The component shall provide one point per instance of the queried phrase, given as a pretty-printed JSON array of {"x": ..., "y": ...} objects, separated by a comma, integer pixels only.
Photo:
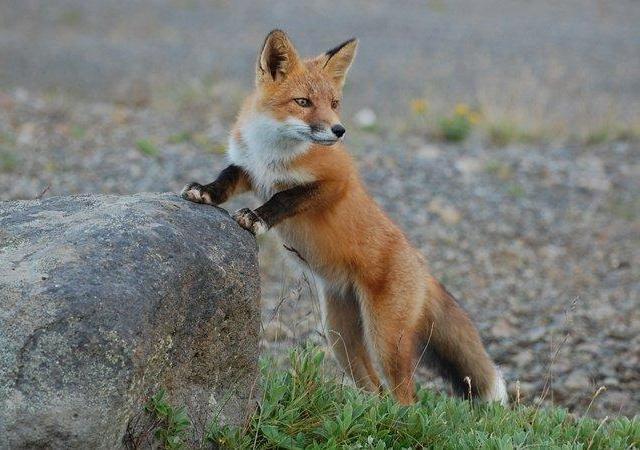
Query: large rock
[{"x": 105, "y": 299}]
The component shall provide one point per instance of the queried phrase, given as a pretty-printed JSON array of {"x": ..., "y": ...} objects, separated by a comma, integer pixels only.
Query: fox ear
[
  {"x": 338, "y": 60},
  {"x": 277, "y": 57}
]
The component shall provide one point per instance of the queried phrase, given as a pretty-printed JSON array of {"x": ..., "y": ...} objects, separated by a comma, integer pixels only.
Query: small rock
[
  {"x": 447, "y": 213},
  {"x": 523, "y": 358},
  {"x": 591, "y": 174},
  {"x": 6, "y": 102},
  {"x": 428, "y": 152},
  {"x": 366, "y": 117},
  {"x": 135, "y": 93},
  {"x": 617, "y": 398},
  {"x": 468, "y": 165},
  {"x": 560, "y": 366},
  {"x": 591, "y": 347},
  {"x": 620, "y": 332},
  {"x": 536, "y": 334},
  {"x": 578, "y": 380},
  {"x": 503, "y": 329},
  {"x": 26, "y": 134},
  {"x": 604, "y": 310},
  {"x": 21, "y": 95},
  {"x": 611, "y": 381},
  {"x": 551, "y": 251}
]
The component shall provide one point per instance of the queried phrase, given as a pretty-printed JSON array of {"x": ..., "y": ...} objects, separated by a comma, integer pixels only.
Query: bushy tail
[{"x": 452, "y": 344}]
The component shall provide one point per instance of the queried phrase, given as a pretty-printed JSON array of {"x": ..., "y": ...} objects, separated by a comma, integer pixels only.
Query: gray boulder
[{"x": 104, "y": 300}]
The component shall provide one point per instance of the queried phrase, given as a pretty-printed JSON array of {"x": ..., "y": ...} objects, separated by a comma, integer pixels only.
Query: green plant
[
  {"x": 8, "y": 161},
  {"x": 77, "y": 131},
  {"x": 173, "y": 422},
  {"x": 7, "y": 138},
  {"x": 516, "y": 190},
  {"x": 499, "y": 169},
  {"x": 178, "y": 138},
  {"x": 610, "y": 133},
  {"x": 504, "y": 133},
  {"x": 305, "y": 408},
  {"x": 208, "y": 145},
  {"x": 147, "y": 147},
  {"x": 455, "y": 128}
]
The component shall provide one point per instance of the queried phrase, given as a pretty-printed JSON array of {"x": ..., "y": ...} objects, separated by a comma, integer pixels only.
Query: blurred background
[{"x": 503, "y": 136}]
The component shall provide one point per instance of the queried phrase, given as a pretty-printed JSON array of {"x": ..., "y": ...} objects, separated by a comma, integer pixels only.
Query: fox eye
[
  {"x": 335, "y": 104},
  {"x": 304, "y": 102}
]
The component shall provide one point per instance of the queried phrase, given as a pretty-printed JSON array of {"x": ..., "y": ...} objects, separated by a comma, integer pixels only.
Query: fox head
[{"x": 303, "y": 95}]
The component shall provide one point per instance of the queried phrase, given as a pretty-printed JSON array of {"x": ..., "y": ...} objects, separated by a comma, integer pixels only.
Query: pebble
[
  {"x": 611, "y": 381},
  {"x": 448, "y": 213},
  {"x": 578, "y": 380},
  {"x": 135, "y": 93},
  {"x": 26, "y": 134},
  {"x": 536, "y": 334},
  {"x": 591, "y": 174},
  {"x": 523, "y": 358},
  {"x": 503, "y": 329},
  {"x": 366, "y": 117},
  {"x": 469, "y": 165},
  {"x": 428, "y": 152}
]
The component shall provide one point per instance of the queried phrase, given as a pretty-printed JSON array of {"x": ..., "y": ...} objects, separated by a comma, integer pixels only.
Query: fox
[{"x": 383, "y": 309}]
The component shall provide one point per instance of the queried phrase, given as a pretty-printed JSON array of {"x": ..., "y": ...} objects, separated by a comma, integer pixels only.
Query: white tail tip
[{"x": 498, "y": 392}]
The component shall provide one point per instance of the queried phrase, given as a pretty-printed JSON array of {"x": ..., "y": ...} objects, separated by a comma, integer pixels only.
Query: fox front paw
[
  {"x": 249, "y": 220},
  {"x": 195, "y": 192}
]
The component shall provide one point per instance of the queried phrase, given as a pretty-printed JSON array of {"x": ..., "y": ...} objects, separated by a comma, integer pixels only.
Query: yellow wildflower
[{"x": 419, "y": 106}]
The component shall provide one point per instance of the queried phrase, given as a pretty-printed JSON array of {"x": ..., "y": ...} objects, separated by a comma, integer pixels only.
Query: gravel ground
[
  {"x": 565, "y": 65},
  {"x": 541, "y": 243}
]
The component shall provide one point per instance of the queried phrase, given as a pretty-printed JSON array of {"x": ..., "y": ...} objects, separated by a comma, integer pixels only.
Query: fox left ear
[
  {"x": 336, "y": 62},
  {"x": 277, "y": 58}
]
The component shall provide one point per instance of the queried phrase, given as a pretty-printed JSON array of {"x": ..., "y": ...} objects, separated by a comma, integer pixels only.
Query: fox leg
[
  {"x": 391, "y": 331},
  {"x": 232, "y": 180},
  {"x": 288, "y": 203},
  {"x": 346, "y": 337}
]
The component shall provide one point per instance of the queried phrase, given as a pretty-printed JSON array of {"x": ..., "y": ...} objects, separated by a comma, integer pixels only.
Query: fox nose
[{"x": 338, "y": 130}]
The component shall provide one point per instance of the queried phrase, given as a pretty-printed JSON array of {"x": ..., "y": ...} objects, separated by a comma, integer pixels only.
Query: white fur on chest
[{"x": 265, "y": 151}]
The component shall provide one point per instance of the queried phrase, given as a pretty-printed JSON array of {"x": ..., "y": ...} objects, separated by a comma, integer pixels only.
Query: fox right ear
[{"x": 277, "y": 58}]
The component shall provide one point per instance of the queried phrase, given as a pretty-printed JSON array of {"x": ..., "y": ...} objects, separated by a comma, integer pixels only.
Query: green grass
[
  {"x": 173, "y": 423},
  {"x": 455, "y": 128},
  {"x": 179, "y": 138},
  {"x": 304, "y": 408},
  {"x": 147, "y": 147},
  {"x": 611, "y": 133},
  {"x": 499, "y": 169},
  {"x": 501, "y": 134},
  {"x": 8, "y": 161},
  {"x": 516, "y": 191},
  {"x": 77, "y": 131}
]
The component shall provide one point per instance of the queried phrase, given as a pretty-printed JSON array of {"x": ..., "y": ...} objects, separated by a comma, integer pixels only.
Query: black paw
[
  {"x": 249, "y": 220},
  {"x": 195, "y": 192}
]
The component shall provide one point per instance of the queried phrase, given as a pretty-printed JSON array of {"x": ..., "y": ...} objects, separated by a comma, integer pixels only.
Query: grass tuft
[
  {"x": 147, "y": 147},
  {"x": 501, "y": 134},
  {"x": 455, "y": 128},
  {"x": 179, "y": 138},
  {"x": 304, "y": 408},
  {"x": 173, "y": 423},
  {"x": 8, "y": 161},
  {"x": 458, "y": 126}
]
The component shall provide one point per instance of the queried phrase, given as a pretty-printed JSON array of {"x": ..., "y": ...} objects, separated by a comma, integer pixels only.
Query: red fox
[{"x": 383, "y": 308}]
